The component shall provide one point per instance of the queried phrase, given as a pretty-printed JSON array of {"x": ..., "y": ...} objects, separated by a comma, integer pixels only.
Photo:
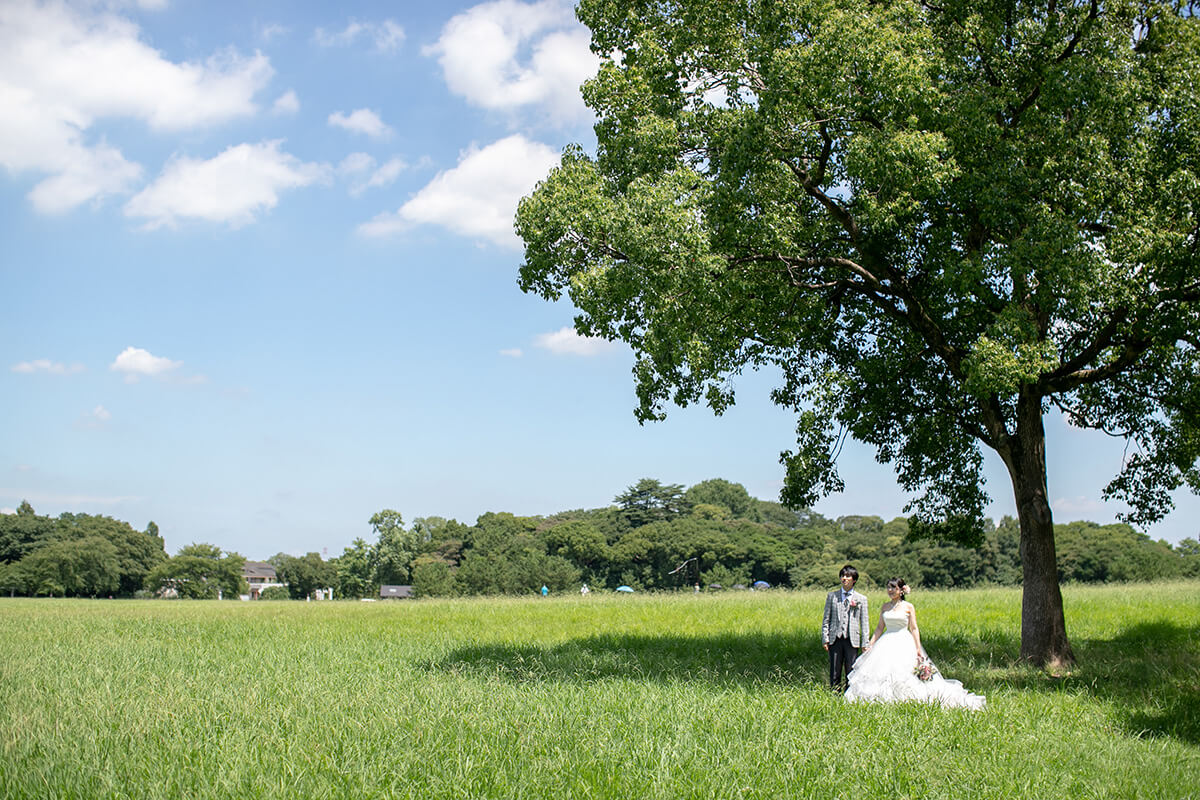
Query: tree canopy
[
  {"x": 76, "y": 554},
  {"x": 199, "y": 572},
  {"x": 937, "y": 220}
]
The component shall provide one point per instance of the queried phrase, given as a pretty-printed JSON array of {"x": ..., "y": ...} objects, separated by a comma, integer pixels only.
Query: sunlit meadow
[{"x": 605, "y": 696}]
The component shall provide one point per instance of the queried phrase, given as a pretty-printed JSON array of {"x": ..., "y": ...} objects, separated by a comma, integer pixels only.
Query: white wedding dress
[{"x": 885, "y": 673}]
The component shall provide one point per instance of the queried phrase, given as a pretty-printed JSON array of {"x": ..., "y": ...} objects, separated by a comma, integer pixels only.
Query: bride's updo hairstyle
[{"x": 899, "y": 584}]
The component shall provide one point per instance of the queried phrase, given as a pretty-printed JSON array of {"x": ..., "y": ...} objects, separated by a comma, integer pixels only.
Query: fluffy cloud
[
  {"x": 63, "y": 67},
  {"x": 95, "y": 419},
  {"x": 386, "y": 173},
  {"x": 483, "y": 57},
  {"x": 478, "y": 198},
  {"x": 287, "y": 103},
  {"x": 231, "y": 188},
  {"x": 386, "y": 36},
  {"x": 46, "y": 365},
  {"x": 363, "y": 120},
  {"x": 512, "y": 352},
  {"x": 135, "y": 363},
  {"x": 567, "y": 342},
  {"x": 366, "y": 175}
]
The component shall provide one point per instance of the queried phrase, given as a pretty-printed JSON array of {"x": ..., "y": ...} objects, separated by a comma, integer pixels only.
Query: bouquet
[{"x": 925, "y": 670}]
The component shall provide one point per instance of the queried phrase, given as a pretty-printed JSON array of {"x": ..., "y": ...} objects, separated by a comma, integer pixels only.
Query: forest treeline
[{"x": 654, "y": 536}]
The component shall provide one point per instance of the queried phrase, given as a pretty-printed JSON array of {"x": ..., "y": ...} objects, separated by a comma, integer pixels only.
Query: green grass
[{"x": 606, "y": 696}]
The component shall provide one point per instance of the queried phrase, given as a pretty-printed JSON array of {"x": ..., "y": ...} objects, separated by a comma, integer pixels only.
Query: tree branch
[{"x": 1130, "y": 353}]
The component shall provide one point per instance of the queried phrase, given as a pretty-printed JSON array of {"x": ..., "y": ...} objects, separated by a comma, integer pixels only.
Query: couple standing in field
[{"x": 893, "y": 666}]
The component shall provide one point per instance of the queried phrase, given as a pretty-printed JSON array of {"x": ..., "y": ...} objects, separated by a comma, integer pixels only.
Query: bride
[{"x": 893, "y": 667}]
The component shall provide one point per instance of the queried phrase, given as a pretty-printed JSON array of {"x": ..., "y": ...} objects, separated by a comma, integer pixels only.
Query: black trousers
[{"x": 841, "y": 661}]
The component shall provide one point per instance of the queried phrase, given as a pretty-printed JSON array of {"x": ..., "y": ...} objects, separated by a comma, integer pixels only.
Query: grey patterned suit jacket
[{"x": 852, "y": 615}]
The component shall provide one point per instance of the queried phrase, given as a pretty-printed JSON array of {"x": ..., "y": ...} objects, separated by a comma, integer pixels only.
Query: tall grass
[{"x": 713, "y": 696}]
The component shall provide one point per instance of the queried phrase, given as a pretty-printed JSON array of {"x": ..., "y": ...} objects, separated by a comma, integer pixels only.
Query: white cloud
[
  {"x": 512, "y": 352},
  {"x": 231, "y": 188},
  {"x": 478, "y": 198},
  {"x": 387, "y": 173},
  {"x": 46, "y": 365},
  {"x": 381, "y": 177},
  {"x": 287, "y": 103},
  {"x": 65, "y": 66},
  {"x": 272, "y": 31},
  {"x": 507, "y": 55},
  {"x": 356, "y": 164},
  {"x": 7, "y": 510},
  {"x": 1077, "y": 505},
  {"x": 386, "y": 36},
  {"x": 567, "y": 342},
  {"x": 362, "y": 120},
  {"x": 136, "y": 362},
  {"x": 95, "y": 419}
]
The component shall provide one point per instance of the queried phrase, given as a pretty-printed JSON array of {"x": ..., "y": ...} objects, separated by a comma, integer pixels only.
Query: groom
[{"x": 845, "y": 627}]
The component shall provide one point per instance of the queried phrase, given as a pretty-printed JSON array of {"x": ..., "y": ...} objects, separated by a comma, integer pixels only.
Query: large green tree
[
  {"x": 304, "y": 576},
  {"x": 355, "y": 570},
  {"x": 199, "y": 572},
  {"x": 23, "y": 532},
  {"x": 138, "y": 552},
  {"x": 649, "y": 500},
  {"x": 395, "y": 548},
  {"x": 939, "y": 220},
  {"x": 72, "y": 567}
]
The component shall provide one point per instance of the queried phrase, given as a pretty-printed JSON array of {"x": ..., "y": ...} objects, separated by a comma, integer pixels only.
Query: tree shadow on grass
[
  {"x": 1149, "y": 672},
  {"x": 727, "y": 659}
]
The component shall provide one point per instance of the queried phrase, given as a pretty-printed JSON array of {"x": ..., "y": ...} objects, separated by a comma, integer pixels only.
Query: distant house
[
  {"x": 259, "y": 575},
  {"x": 397, "y": 592}
]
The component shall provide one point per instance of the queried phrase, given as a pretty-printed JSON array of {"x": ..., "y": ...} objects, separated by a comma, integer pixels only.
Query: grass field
[{"x": 712, "y": 696}]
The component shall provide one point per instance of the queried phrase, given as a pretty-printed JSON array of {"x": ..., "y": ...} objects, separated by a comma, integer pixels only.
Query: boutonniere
[{"x": 853, "y": 603}]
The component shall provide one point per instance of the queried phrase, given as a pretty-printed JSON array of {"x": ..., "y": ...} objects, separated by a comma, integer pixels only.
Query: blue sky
[{"x": 260, "y": 283}]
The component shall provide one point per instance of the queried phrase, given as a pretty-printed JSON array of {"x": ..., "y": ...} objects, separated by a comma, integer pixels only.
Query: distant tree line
[
  {"x": 82, "y": 555},
  {"x": 659, "y": 536},
  {"x": 654, "y": 536}
]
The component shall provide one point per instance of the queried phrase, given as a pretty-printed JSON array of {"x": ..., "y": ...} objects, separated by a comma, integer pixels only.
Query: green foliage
[
  {"x": 137, "y": 552},
  {"x": 650, "y": 501},
  {"x": 355, "y": 571},
  {"x": 1093, "y": 553},
  {"x": 199, "y": 572},
  {"x": 275, "y": 593},
  {"x": 75, "y": 567},
  {"x": 936, "y": 220},
  {"x": 304, "y": 576},
  {"x": 395, "y": 548},
  {"x": 22, "y": 532},
  {"x": 730, "y": 538},
  {"x": 432, "y": 577},
  {"x": 733, "y": 497},
  {"x": 76, "y": 554}
]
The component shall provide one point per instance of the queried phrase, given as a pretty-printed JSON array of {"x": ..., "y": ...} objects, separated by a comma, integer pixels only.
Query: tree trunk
[{"x": 1043, "y": 624}]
